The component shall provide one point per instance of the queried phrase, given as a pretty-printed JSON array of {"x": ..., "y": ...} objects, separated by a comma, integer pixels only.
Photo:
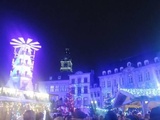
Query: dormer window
[
  {"x": 104, "y": 73},
  {"x": 121, "y": 68},
  {"x": 146, "y": 62},
  {"x": 115, "y": 70},
  {"x": 129, "y": 64},
  {"x": 156, "y": 59},
  {"x": 139, "y": 64},
  {"x": 109, "y": 72}
]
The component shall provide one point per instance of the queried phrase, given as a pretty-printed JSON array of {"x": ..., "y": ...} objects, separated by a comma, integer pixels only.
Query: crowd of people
[{"x": 110, "y": 115}]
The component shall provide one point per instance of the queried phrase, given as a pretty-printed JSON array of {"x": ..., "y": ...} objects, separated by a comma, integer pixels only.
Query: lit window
[
  {"x": 56, "y": 88},
  {"x": 140, "y": 78},
  {"x": 108, "y": 83},
  {"x": 61, "y": 88},
  {"x": 130, "y": 79},
  {"x": 51, "y": 88},
  {"x": 147, "y": 76}
]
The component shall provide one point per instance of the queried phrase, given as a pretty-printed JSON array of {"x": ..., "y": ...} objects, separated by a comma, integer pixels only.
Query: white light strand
[{"x": 143, "y": 92}]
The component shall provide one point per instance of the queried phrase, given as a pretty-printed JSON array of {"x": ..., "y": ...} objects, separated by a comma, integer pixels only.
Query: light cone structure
[{"x": 23, "y": 63}]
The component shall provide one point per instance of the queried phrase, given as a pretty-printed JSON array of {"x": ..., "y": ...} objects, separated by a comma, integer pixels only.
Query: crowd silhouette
[{"x": 79, "y": 115}]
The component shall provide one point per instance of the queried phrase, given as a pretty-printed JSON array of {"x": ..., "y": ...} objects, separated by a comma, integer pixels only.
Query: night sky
[{"x": 98, "y": 34}]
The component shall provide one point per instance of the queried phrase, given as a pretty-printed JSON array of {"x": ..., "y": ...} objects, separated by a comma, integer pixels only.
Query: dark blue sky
[{"x": 97, "y": 33}]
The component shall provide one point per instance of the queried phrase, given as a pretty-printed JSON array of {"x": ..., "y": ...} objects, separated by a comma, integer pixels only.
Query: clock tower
[{"x": 66, "y": 62}]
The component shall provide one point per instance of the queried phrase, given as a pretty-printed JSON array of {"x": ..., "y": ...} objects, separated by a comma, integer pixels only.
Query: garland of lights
[
  {"x": 28, "y": 95},
  {"x": 143, "y": 92},
  {"x": 14, "y": 110}
]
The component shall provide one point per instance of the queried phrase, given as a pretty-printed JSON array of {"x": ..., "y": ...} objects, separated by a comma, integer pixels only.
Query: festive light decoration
[
  {"x": 23, "y": 62},
  {"x": 19, "y": 97},
  {"x": 142, "y": 92},
  {"x": 14, "y": 110},
  {"x": 16, "y": 94},
  {"x": 70, "y": 101}
]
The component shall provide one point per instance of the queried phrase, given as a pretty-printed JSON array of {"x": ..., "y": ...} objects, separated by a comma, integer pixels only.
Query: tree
[{"x": 69, "y": 102}]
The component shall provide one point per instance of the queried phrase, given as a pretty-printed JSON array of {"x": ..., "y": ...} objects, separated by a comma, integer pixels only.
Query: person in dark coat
[
  {"x": 111, "y": 116},
  {"x": 155, "y": 113}
]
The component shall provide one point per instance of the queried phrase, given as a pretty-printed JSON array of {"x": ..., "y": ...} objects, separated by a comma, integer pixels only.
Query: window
[
  {"x": 103, "y": 84},
  {"x": 73, "y": 81},
  {"x": 66, "y": 89},
  {"x": 65, "y": 64},
  {"x": 91, "y": 95},
  {"x": 115, "y": 83},
  {"x": 79, "y": 80},
  {"x": 51, "y": 88},
  {"x": 140, "y": 78},
  {"x": 79, "y": 90},
  {"x": 62, "y": 88},
  {"x": 79, "y": 102},
  {"x": 130, "y": 79},
  {"x": 109, "y": 83},
  {"x": 85, "y": 89},
  {"x": 85, "y": 80},
  {"x": 95, "y": 95},
  {"x": 147, "y": 76},
  {"x": 56, "y": 88},
  {"x": 122, "y": 81},
  {"x": 85, "y": 101},
  {"x": 73, "y": 90}
]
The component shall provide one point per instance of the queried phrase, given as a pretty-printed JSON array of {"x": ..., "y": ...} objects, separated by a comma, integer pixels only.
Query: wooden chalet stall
[
  {"x": 144, "y": 98},
  {"x": 14, "y": 102}
]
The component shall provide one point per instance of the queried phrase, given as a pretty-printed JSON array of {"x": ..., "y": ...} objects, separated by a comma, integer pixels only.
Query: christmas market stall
[
  {"x": 144, "y": 98},
  {"x": 14, "y": 102}
]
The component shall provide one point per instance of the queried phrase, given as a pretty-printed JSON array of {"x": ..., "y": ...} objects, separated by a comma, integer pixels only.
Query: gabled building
[
  {"x": 80, "y": 84},
  {"x": 145, "y": 76}
]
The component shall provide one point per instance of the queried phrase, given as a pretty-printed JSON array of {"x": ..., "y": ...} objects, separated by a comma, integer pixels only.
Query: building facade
[
  {"x": 57, "y": 89},
  {"x": 146, "y": 75},
  {"x": 96, "y": 96},
  {"x": 80, "y": 86}
]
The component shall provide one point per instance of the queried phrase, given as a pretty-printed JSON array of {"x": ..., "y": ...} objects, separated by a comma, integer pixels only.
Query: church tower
[{"x": 66, "y": 62}]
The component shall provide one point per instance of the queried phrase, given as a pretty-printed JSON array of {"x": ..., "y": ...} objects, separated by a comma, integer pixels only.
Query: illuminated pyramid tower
[{"x": 23, "y": 63}]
